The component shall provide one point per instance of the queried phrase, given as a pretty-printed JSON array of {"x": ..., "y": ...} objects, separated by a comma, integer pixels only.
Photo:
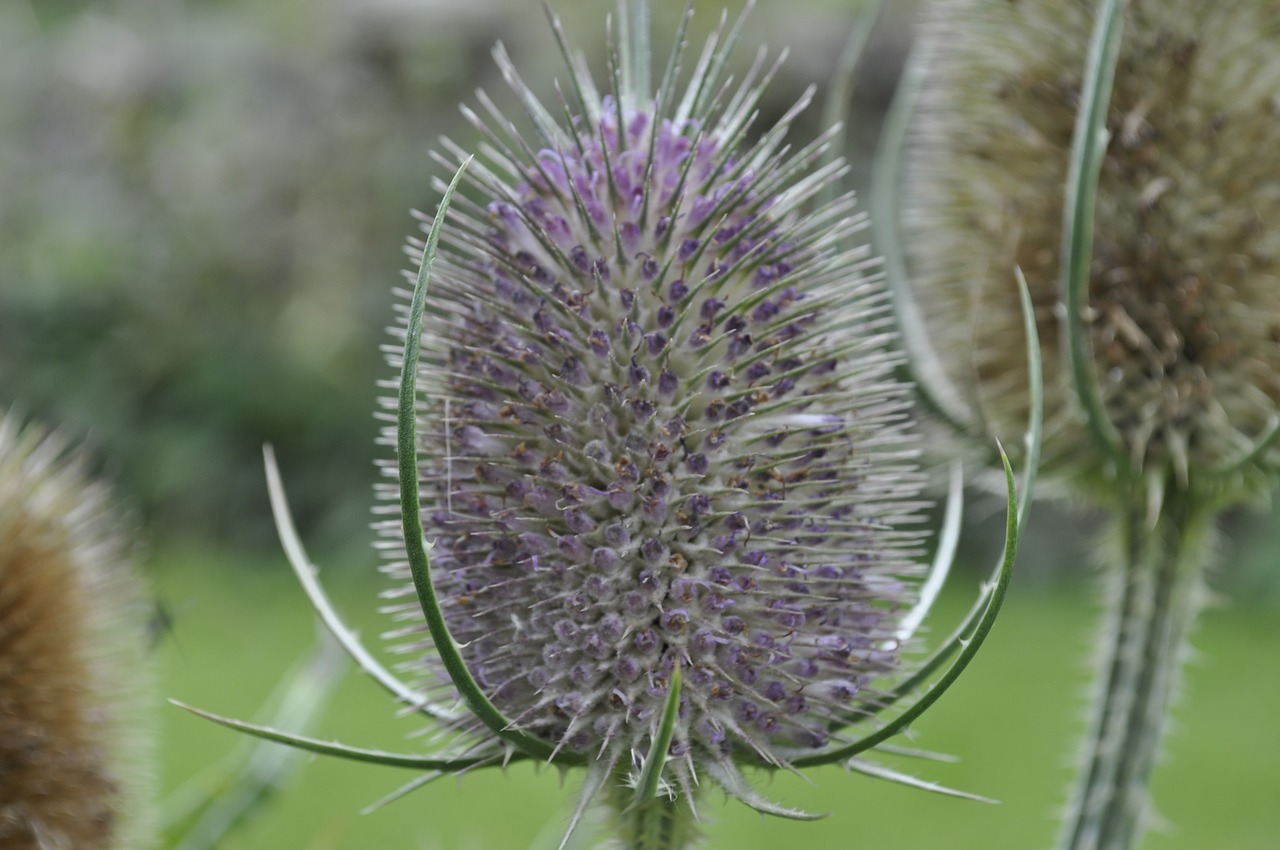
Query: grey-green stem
[
  {"x": 1154, "y": 595},
  {"x": 661, "y": 823}
]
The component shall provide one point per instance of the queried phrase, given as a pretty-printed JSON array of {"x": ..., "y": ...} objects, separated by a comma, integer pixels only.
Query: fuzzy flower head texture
[
  {"x": 659, "y": 429},
  {"x": 1182, "y": 308},
  {"x": 74, "y": 768}
]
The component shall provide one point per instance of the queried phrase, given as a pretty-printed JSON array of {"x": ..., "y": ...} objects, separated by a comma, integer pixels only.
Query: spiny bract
[
  {"x": 1183, "y": 303},
  {"x": 660, "y": 430}
]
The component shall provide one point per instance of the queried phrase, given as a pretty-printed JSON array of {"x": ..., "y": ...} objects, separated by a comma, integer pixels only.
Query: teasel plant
[
  {"x": 1120, "y": 156},
  {"x": 74, "y": 668},
  {"x": 656, "y": 512},
  {"x": 78, "y": 690}
]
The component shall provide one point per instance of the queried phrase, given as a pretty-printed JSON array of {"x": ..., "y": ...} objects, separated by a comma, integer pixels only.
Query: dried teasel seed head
[
  {"x": 1183, "y": 301},
  {"x": 74, "y": 759}
]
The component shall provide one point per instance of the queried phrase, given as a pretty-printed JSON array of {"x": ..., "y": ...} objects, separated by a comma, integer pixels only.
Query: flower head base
[
  {"x": 662, "y": 432},
  {"x": 1182, "y": 302}
]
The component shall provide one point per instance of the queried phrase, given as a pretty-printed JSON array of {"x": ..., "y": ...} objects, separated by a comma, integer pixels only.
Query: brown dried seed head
[
  {"x": 72, "y": 671},
  {"x": 1184, "y": 300}
]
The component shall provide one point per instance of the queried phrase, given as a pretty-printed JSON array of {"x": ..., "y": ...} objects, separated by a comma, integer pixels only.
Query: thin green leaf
[
  {"x": 923, "y": 366},
  {"x": 409, "y": 787},
  {"x": 970, "y": 645},
  {"x": 416, "y": 547},
  {"x": 950, "y": 532},
  {"x": 309, "y": 579},
  {"x": 332, "y": 748},
  {"x": 202, "y": 812},
  {"x": 1035, "y": 383},
  {"x": 651, "y": 775},
  {"x": 948, "y": 540},
  {"x": 1088, "y": 148},
  {"x": 880, "y": 771},
  {"x": 915, "y": 753}
]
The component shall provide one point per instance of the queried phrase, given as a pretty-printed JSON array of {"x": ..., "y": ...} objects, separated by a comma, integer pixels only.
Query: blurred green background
[
  {"x": 1009, "y": 720},
  {"x": 202, "y": 205}
]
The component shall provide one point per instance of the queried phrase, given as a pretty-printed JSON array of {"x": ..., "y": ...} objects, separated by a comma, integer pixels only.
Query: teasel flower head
[
  {"x": 1164, "y": 365},
  {"x": 661, "y": 433},
  {"x": 656, "y": 511},
  {"x": 73, "y": 667}
]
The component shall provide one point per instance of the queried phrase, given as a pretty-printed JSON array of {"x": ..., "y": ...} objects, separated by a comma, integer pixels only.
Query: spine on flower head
[{"x": 74, "y": 759}]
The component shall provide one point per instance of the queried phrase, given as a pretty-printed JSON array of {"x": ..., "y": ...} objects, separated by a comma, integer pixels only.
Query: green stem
[
  {"x": 1155, "y": 595},
  {"x": 660, "y": 823}
]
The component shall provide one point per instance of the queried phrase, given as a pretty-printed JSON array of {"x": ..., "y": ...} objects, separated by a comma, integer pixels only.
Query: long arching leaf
[
  {"x": 970, "y": 646},
  {"x": 416, "y": 547},
  {"x": 308, "y": 577},
  {"x": 925, "y": 367},
  {"x": 944, "y": 557},
  {"x": 332, "y": 748}
]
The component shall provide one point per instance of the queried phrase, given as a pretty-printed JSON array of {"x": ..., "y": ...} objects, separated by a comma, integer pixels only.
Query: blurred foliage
[{"x": 201, "y": 212}]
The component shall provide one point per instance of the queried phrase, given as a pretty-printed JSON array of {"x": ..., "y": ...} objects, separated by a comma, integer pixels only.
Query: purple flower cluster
[{"x": 659, "y": 431}]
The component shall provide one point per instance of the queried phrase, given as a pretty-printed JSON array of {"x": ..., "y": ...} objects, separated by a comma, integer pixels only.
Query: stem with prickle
[
  {"x": 661, "y": 823},
  {"x": 1154, "y": 595}
]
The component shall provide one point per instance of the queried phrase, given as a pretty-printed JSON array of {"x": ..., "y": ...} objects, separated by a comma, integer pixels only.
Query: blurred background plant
[
  {"x": 78, "y": 694},
  {"x": 1110, "y": 151},
  {"x": 201, "y": 211}
]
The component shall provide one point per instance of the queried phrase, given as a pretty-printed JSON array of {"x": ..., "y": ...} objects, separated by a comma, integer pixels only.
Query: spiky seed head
[
  {"x": 1183, "y": 302},
  {"x": 73, "y": 673},
  {"x": 660, "y": 430}
]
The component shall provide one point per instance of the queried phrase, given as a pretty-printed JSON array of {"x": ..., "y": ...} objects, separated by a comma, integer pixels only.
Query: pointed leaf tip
[
  {"x": 330, "y": 748},
  {"x": 880, "y": 771}
]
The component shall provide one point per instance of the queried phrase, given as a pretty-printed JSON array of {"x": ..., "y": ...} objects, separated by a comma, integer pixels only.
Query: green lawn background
[{"x": 1010, "y": 720}]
